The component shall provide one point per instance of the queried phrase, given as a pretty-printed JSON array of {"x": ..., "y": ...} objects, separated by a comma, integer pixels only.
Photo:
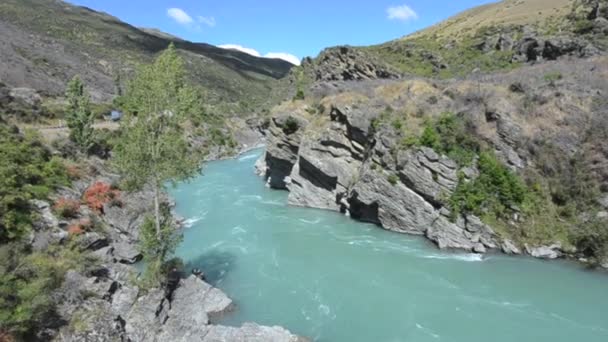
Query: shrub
[
  {"x": 397, "y": 124},
  {"x": 299, "y": 95},
  {"x": 495, "y": 190},
  {"x": 75, "y": 229},
  {"x": 291, "y": 125},
  {"x": 393, "y": 179},
  {"x": 591, "y": 239},
  {"x": 451, "y": 136},
  {"x": 67, "y": 208},
  {"x": 27, "y": 283},
  {"x": 27, "y": 171},
  {"x": 99, "y": 194}
]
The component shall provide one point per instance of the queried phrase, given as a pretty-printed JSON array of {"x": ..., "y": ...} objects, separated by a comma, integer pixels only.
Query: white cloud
[
  {"x": 403, "y": 13},
  {"x": 284, "y": 56},
  {"x": 209, "y": 21},
  {"x": 240, "y": 48},
  {"x": 180, "y": 16},
  {"x": 278, "y": 55}
]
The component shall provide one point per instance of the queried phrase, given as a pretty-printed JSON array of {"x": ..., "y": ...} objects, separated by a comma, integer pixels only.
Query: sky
[{"x": 283, "y": 28}]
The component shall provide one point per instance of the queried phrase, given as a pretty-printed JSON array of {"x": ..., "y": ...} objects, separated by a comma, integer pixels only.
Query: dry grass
[{"x": 506, "y": 12}]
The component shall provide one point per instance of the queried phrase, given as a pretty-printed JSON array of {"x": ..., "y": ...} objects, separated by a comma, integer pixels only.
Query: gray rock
[
  {"x": 27, "y": 95},
  {"x": 479, "y": 248},
  {"x": 251, "y": 332},
  {"x": 282, "y": 149},
  {"x": 123, "y": 299},
  {"x": 47, "y": 218},
  {"x": 196, "y": 301},
  {"x": 104, "y": 254},
  {"x": 93, "y": 241},
  {"x": 95, "y": 323},
  {"x": 449, "y": 236},
  {"x": 126, "y": 252},
  {"x": 345, "y": 64},
  {"x": 545, "y": 252},
  {"x": 142, "y": 322}
]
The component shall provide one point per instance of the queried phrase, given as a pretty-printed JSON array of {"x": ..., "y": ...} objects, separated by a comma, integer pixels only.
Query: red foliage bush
[
  {"x": 66, "y": 208},
  {"x": 100, "y": 194},
  {"x": 75, "y": 229}
]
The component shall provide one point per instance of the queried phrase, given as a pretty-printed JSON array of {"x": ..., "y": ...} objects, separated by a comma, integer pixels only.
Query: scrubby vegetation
[
  {"x": 27, "y": 281},
  {"x": 451, "y": 136},
  {"x": 496, "y": 190},
  {"x": 28, "y": 171}
]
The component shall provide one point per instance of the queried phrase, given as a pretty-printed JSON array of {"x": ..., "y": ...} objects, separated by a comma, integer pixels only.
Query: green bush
[
  {"x": 28, "y": 171},
  {"x": 27, "y": 282},
  {"x": 496, "y": 190},
  {"x": 291, "y": 125},
  {"x": 393, "y": 179},
  {"x": 299, "y": 95},
  {"x": 449, "y": 135}
]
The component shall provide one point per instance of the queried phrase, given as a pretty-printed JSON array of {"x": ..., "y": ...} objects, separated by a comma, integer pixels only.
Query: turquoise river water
[{"x": 327, "y": 277}]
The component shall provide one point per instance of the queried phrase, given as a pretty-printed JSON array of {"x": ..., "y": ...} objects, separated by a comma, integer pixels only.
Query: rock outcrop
[
  {"x": 344, "y": 63},
  {"x": 356, "y": 157},
  {"x": 347, "y": 167}
]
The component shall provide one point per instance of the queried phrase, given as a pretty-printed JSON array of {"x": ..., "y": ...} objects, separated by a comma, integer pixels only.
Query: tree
[
  {"x": 79, "y": 117},
  {"x": 153, "y": 149}
]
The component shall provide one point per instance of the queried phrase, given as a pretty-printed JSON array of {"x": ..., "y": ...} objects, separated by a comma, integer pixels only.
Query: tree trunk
[{"x": 157, "y": 211}]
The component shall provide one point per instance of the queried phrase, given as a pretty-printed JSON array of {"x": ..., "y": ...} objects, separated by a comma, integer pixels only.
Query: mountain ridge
[{"x": 46, "y": 42}]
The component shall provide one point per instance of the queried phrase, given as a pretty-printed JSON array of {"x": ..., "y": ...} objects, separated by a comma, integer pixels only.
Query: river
[{"x": 325, "y": 276}]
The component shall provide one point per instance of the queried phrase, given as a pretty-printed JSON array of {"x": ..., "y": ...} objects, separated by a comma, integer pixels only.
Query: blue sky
[{"x": 298, "y": 28}]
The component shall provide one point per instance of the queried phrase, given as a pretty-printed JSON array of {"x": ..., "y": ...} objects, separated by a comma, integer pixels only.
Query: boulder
[
  {"x": 196, "y": 302},
  {"x": 93, "y": 241},
  {"x": 508, "y": 247},
  {"x": 545, "y": 252},
  {"x": 27, "y": 95},
  {"x": 126, "y": 252}
]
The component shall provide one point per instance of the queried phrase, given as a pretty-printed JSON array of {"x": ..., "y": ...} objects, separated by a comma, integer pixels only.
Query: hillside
[
  {"x": 494, "y": 37},
  {"x": 484, "y": 132},
  {"x": 46, "y": 42}
]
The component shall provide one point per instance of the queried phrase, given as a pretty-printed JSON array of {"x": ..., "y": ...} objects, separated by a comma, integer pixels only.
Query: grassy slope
[
  {"x": 503, "y": 13},
  {"x": 52, "y": 40},
  {"x": 453, "y": 43}
]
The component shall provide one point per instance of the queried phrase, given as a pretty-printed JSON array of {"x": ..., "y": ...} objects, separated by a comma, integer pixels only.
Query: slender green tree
[
  {"x": 153, "y": 148},
  {"x": 79, "y": 117}
]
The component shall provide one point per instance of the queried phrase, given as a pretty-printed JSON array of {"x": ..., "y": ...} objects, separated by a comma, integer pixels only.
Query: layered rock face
[
  {"x": 342, "y": 169},
  {"x": 346, "y": 159}
]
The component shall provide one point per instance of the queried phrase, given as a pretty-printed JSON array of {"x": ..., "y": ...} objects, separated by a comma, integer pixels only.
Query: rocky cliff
[
  {"x": 355, "y": 148},
  {"x": 105, "y": 302}
]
